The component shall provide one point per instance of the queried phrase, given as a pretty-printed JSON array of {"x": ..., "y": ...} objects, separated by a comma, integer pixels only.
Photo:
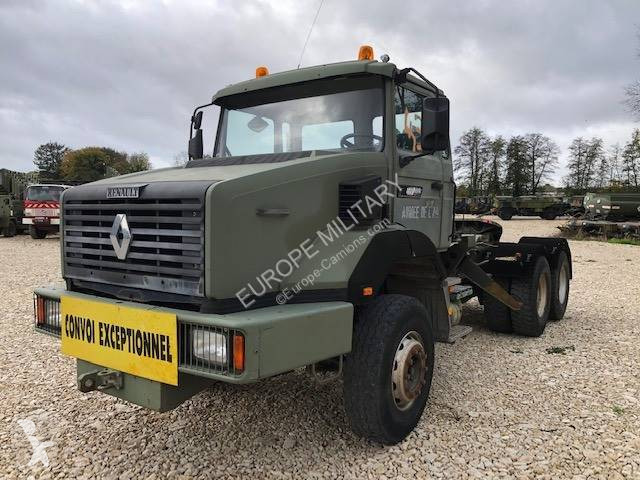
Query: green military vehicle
[
  {"x": 617, "y": 207},
  {"x": 12, "y": 185},
  {"x": 473, "y": 205},
  {"x": 319, "y": 231},
  {"x": 542, "y": 206}
]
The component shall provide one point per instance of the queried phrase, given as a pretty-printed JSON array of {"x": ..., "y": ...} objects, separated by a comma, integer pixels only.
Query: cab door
[{"x": 419, "y": 203}]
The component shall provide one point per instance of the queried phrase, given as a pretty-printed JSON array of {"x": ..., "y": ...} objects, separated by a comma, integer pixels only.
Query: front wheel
[
  {"x": 387, "y": 375},
  {"x": 505, "y": 213},
  {"x": 36, "y": 233},
  {"x": 10, "y": 230}
]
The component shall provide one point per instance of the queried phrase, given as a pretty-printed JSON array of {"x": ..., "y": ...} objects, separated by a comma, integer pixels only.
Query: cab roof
[{"x": 314, "y": 73}]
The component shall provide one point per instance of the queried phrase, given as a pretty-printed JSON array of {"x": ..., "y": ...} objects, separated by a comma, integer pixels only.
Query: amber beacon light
[
  {"x": 262, "y": 72},
  {"x": 365, "y": 53}
]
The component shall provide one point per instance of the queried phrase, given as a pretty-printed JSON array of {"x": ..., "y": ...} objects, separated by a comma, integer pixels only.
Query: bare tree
[
  {"x": 517, "y": 176},
  {"x": 615, "y": 154},
  {"x": 180, "y": 159},
  {"x": 631, "y": 160},
  {"x": 497, "y": 150},
  {"x": 472, "y": 155},
  {"x": 542, "y": 158}
]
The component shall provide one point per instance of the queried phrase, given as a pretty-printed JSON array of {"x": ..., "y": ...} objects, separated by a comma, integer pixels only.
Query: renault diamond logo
[{"x": 120, "y": 236}]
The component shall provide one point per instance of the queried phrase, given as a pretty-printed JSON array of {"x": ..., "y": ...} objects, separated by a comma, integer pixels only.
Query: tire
[
  {"x": 10, "y": 230},
  {"x": 531, "y": 319},
  {"x": 496, "y": 314},
  {"x": 505, "y": 214},
  {"x": 385, "y": 330},
  {"x": 36, "y": 234},
  {"x": 548, "y": 215},
  {"x": 560, "y": 282}
]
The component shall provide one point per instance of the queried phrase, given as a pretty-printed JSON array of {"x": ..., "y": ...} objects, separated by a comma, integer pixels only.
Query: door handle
[
  {"x": 272, "y": 212},
  {"x": 437, "y": 185}
]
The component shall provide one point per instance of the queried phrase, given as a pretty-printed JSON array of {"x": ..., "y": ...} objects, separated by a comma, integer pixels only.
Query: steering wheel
[{"x": 345, "y": 143}]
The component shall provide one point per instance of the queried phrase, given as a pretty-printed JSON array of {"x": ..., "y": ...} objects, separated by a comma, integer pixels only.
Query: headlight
[{"x": 210, "y": 346}]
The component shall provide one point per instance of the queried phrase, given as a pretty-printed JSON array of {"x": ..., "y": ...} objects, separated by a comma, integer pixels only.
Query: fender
[{"x": 385, "y": 251}]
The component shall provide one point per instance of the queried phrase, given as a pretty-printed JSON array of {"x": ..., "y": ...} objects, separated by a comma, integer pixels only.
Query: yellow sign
[{"x": 133, "y": 340}]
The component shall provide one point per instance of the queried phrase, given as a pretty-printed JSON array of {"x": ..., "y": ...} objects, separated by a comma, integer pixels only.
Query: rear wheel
[
  {"x": 549, "y": 214},
  {"x": 10, "y": 230},
  {"x": 387, "y": 375},
  {"x": 534, "y": 291},
  {"x": 36, "y": 233},
  {"x": 497, "y": 314},
  {"x": 559, "y": 286},
  {"x": 505, "y": 213}
]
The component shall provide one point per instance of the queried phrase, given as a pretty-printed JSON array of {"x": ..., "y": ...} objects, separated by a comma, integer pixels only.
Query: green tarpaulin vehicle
[
  {"x": 317, "y": 231},
  {"x": 542, "y": 206},
  {"x": 612, "y": 206}
]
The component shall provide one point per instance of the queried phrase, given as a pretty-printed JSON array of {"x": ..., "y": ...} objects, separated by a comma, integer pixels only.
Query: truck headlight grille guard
[{"x": 202, "y": 349}]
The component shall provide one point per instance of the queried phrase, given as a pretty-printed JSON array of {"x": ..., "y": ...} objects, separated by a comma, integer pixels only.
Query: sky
[{"x": 127, "y": 74}]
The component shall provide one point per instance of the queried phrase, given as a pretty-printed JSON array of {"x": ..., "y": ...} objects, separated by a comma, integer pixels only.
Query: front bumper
[
  {"x": 41, "y": 222},
  {"x": 276, "y": 339}
]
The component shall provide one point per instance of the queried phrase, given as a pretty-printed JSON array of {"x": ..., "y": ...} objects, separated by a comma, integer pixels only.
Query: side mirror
[
  {"x": 196, "y": 120},
  {"x": 195, "y": 145},
  {"x": 435, "y": 125}
]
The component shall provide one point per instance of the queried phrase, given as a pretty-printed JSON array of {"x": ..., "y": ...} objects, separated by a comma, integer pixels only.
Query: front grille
[{"x": 166, "y": 251}]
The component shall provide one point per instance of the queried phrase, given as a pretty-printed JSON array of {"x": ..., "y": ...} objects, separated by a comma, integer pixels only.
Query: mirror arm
[{"x": 401, "y": 77}]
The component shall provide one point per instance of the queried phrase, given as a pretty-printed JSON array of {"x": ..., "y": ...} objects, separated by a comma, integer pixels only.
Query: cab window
[{"x": 408, "y": 112}]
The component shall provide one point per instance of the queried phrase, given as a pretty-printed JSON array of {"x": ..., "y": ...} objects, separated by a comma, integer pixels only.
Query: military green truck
[
  {"x": 617, "y": 207},
  {"x": 12, "y": 185},
  {"x": 543, "y": 206},
  {"x": 317, "y": 232}
]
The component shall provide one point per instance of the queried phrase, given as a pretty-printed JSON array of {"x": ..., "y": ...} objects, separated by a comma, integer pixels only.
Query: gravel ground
[{"x": 500, "y": 406}]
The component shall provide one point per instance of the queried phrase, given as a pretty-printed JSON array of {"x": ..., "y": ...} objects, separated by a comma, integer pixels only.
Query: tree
[
  {"x": 138, "y": 162},
  {"x": 48, "y": 158},
  {"x": 584, "y": 158},
  {"x": 633, "y": 98},
  {"x": 180, "y": 159},
  {"x": 472, "y": 156},
  {"x": 85, "y": 165},
  {"x": 517, "y": 176},
  {"x": 542, "y": 158},
  {"x": 631, "y": 161},
  {"x": 615, "y": 154},
  {"x": 497, "y": 148}
]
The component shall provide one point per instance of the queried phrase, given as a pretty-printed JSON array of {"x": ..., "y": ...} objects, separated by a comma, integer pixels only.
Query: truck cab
[
  {"x": 312, "y": 227},
  {"x": 42, "y": 209}
]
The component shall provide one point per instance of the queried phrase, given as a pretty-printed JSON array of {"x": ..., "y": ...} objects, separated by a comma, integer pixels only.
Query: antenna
[{"x": 309, "y": 34}]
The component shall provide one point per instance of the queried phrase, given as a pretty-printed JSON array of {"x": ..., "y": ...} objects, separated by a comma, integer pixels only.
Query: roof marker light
[
  {"x": 365, "y": 53},
  {"x": 262, "y": 72}
]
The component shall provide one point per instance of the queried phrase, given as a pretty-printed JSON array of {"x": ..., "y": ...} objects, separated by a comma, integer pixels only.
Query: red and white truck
[{"x": 42, "y": 209}]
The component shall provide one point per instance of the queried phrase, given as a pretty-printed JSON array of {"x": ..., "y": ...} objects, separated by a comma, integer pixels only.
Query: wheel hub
[
  {"x": 563, "y": 282},
  {"x": 543, "y": 291},
  {"x": 408, "y": 375}
]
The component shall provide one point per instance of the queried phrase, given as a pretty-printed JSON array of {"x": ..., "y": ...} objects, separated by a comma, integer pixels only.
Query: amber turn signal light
[
  {"x": 238, "y": 352},
  {"x": 262, "y": 72}
]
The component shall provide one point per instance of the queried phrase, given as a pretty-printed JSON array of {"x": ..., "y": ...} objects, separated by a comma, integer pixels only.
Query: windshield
[
  {"x": 44, "y": 193},
  {"x": 328, "y": 115}
]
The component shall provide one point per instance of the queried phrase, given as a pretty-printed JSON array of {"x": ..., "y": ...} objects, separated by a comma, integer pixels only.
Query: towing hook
[{"x": 100, "y": 380}]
